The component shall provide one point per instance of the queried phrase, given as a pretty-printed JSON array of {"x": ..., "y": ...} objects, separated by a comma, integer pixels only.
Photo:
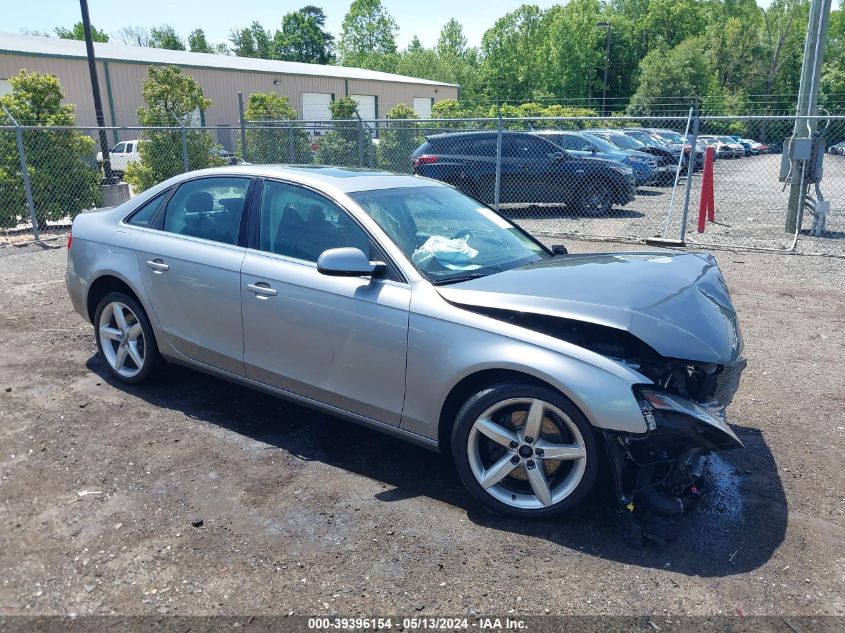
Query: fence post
[
  {"x": 498, "y": 185},
  {"x": 361, "y": 159},
  {"x": 291, "y": 148},
  {"x": 27, "y": 185},
  {"x": 690, "y": 171},
  {"x": 243, "y": 126},
  {"x": 185, "y": 164}
]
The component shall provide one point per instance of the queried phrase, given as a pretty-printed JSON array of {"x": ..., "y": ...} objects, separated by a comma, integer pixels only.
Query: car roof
[{"x": 345, "y": 179}]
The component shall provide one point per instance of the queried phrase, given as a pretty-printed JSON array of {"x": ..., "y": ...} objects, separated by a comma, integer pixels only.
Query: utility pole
[
  {"x": 808, "y": 95},
  {"x": 95, "y": 86}
]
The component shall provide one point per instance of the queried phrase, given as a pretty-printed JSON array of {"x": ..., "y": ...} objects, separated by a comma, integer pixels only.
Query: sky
[{"x": 423, "y": 18}]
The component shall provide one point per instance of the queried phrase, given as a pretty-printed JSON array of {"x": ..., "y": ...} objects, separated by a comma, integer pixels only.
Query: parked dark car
[
  {"x": 226, "y": 155},
  {"x": 747, "y": 149},
  {"x": 674, "y": 142},
  {"x": 677, "y": 141},
  {"x": 586, "y": 145},
  {"x": 534, "y": 171},
  {"x": 665, "y": 159}
]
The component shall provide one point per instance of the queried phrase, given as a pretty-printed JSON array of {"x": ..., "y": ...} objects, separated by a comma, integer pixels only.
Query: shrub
[
  {"x": 398, "y": 140},
  {"x": 272, "y": 140},
  {"x": 172, "y": 99}
]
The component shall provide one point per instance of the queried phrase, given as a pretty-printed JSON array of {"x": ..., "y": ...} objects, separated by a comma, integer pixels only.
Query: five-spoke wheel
[
  {"x": 124, "y": 337},
  {"x": 524, "y": 449}
]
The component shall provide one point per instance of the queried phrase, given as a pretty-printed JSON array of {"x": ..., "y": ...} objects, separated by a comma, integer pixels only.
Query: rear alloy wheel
[
  {"x": 596, "y": 201},
  {"x": 524, "y": 450},
  {"x": 125, "y": 338}
]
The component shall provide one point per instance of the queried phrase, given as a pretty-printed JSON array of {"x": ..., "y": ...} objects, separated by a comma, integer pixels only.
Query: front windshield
[
  {"x": 727, "y": 139},
  {"x": 447, "y": 235}
]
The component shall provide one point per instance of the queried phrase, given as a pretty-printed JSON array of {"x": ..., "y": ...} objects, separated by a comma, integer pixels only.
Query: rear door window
[{"x": 209, "y": 208}]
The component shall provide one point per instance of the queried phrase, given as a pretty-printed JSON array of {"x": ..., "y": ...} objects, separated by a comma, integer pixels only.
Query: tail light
[
  {"x": 425, "y": 159},
  {"x": 69, "y": 240}
]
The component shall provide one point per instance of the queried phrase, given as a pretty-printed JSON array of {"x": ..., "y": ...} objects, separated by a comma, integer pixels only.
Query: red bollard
[{"x": 707, "y": 204}]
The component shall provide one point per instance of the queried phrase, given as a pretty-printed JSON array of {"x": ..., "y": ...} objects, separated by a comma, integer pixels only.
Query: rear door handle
[
  {"x": 157, "y": 265},
  {"x": 262, "y": 290}
]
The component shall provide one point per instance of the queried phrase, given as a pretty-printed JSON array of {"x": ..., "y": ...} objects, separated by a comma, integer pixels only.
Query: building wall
[{"x": 219, "y": 85}]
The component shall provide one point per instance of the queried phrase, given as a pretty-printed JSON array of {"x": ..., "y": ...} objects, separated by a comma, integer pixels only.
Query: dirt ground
[{"x": 306, "y": 514}]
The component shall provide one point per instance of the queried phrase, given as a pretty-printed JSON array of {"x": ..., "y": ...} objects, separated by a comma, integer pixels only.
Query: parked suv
[
  {"x": 534, "y": 171},
  {"x": 585, "y": 145}
]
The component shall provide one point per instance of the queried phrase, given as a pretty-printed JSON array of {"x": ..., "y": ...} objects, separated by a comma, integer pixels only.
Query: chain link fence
[{"x": 630, "y": 179}]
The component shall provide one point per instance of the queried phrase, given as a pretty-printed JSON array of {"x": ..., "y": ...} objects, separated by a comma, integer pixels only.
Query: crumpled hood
[{"x": 677, "y": 303}]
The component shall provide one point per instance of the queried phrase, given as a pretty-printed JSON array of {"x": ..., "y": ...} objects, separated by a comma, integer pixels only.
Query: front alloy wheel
[
  {"x": 526, "y": 450},
  {"x": 596, "y": 201}
]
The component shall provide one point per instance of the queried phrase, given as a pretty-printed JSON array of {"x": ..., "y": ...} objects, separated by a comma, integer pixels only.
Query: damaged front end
[{"x": 659, "y": 475}]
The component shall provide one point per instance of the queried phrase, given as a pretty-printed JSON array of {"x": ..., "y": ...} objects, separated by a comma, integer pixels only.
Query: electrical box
[{"x": 810, "y": 154}]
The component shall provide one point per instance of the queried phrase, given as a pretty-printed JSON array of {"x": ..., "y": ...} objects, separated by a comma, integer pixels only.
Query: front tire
[
  {"x": 597, "y": 201},
  {"x": 524, "y": 450},
  {"x": 125, "y": 338}
]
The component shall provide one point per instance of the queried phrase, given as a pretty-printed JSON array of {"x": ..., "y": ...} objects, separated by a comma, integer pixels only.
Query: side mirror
[
  {"x": 559, "y": 249},
  {"x": 593, "y": 149},
  {"x": 349, "y": 262},
  {"x": 558, "y": 156}
]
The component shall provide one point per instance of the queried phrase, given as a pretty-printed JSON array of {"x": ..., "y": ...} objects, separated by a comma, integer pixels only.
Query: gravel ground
[{"x": 103, "y": 486}]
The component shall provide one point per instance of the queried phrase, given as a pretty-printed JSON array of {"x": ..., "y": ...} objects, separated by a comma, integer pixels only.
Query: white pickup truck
[
  {"x": 126, "y": 152},
  {"x": 121, "y": 155}
]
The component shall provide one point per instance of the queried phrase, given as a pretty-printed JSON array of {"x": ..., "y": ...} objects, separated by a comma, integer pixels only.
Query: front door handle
[
  {"x": 262, "y": 290},
  {"x": 158, "y": 266}
]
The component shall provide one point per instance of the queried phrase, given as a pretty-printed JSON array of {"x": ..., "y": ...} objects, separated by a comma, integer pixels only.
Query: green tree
[
  {"x": 61, "y": 165},
  {"x": 833, "y": 70},
  {"x": 670, "y": 22},
  {"x": 252, "y": 41},
  {"x": 77, "y": 32},
  {"x": 165, "y": 36},
  {"x": 784, "y": 32},
  {"x": 736, "y": 52},
  {"x": 398, "y": 140},
  {"x": 573, "y": 50},
  {"x": 511, "y": 54},
  {"x": 272, "y": 139},
  {"x": 340, "y": 146},
  {"x": 197, "y": 43},
  {"x": 304, "y": 38},
  {"x": 419, "y": 61},
  {"x": 669, "y": 78},
  {"x": 457, "y": 62},
  {"x": 368, "y": 36},
  {"x": 172, "y": 98}
]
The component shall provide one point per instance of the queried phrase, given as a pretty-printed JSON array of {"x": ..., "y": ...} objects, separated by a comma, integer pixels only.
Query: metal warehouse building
[{"x": 122, "y": 70}]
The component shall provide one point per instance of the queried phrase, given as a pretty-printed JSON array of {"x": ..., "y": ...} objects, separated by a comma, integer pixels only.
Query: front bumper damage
[{"x": 657, "y": 476}]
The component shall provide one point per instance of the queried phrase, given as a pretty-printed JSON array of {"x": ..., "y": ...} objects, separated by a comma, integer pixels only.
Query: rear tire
[
  {"x": 524, "y": 450},
  {"x": 125, "y": 338}
]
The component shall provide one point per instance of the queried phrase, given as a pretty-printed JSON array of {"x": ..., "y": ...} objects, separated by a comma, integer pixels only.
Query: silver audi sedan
[{"x": 400, "y": 303}]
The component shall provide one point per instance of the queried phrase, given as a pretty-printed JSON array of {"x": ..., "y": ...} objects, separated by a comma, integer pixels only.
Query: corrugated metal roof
[{"x": 34, "y": 45}]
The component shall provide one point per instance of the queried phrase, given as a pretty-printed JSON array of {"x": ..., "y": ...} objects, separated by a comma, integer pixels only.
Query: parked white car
[{"x": 121, "y": 155}]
